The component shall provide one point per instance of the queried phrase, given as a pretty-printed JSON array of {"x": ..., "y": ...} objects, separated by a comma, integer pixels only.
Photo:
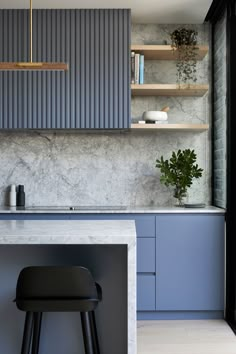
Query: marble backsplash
[
  {"x": 111, "y": 168},
  {"x": 95, "y": 169}
]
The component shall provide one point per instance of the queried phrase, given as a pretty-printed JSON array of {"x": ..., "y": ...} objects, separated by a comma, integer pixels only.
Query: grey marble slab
[
  {"x": 27, "y": 232},
  {"x": 111, "y": 210}
]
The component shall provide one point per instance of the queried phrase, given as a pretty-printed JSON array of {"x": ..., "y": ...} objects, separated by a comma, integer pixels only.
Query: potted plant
[
  {"x": 179, "y": 172},
  {"x": 184, "y": 43}
]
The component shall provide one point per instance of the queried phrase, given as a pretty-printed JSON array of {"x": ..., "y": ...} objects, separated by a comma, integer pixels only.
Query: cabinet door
[
  {"x": 146, "y": 292},
  {"x": 190, "y": 262},
  {"x": 146, "y": 255},
  {"x": 93, "y": 94}
]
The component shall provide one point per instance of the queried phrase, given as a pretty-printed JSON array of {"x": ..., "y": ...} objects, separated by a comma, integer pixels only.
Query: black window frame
[{"x": 217, "y": 9}]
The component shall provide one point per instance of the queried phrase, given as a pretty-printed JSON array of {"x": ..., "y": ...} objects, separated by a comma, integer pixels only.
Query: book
[
  {"x": 141, "y": 69},
  {"x": 137, "y": 56},
  {"x": 132, "y": 67}
]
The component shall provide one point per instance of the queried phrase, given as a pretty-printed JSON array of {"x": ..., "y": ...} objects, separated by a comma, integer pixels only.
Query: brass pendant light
[{"x": 32, "y": 66}]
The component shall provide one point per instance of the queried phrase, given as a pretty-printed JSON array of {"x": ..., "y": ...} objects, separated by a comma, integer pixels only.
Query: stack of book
[{"x": 137, "y": 68}]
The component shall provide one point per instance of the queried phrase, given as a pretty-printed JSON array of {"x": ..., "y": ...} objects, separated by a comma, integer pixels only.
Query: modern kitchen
[{"x": 117, "y": 177}]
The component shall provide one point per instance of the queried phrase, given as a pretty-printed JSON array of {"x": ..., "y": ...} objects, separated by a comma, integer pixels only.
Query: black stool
[{"x": 57, "y": 289}]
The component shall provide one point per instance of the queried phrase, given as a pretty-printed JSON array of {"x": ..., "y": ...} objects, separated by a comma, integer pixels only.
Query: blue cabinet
[
  {"x": 190, "y": 263},
  {"x": 146, "y": 255},
  {"x": 146, "y": 300},
  {"x": 93, "y": 94},
  {"x": 180, "y": 262}
]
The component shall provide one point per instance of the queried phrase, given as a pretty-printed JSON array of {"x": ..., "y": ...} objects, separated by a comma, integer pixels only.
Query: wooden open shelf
[
  {"x": 173, "y": 127},
  {"x": 164, "y": 52},
  {"x": 168, "y": 90}
]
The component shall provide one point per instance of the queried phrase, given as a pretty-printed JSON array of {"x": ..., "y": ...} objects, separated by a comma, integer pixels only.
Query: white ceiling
[{"x": 143, "y": 11}]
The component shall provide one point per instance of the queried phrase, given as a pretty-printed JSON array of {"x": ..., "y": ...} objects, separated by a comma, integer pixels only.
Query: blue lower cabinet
[
  {"x": 146, "y": 255},
  {"x": 190, "y": 263},
  {"x": 180, "y": 262},
  {"x": 146, "y": 292}
]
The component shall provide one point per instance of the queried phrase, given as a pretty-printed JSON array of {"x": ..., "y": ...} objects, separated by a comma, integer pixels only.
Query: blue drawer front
[
  {"x": 145, "y": 226},
  {"x": 146, "y": 261},
  {"x": 146, "y": 292}
]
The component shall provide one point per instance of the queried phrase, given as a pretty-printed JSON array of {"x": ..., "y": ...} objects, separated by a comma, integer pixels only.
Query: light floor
[{"x": 185, "y": 337}]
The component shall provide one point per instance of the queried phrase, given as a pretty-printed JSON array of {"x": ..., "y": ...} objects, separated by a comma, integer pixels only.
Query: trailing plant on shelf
[
  {"x": 184, "y": 42},
  {"x": 179, "y": 172}
]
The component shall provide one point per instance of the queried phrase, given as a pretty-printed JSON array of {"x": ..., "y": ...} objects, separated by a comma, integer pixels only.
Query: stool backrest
[{"x": 55, "y": 281}]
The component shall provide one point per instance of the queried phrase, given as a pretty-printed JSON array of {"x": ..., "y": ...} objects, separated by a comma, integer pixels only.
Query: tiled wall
[
  {"x": 220, "y": 112},
  {"x": 111, "y": 168}
]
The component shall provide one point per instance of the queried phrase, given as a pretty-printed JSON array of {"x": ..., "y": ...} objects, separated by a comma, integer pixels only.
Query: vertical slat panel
[
  {"x": 82, "y": 69},
  {"x": 115, "y": 72},
  {"x": 126, "y": 81},
  {"x": 96, "y": 73},
  {"x": 58, "y": 58},
  {"x": 77, "y": 69},
  {"x": 38, "y": 86},
  {"x": 92, "y": 68},
  {"x": 111, "y": 66},
  {"x": 42, "y": 47},
  {"x": 48, "y": 43},
  {"x": 19, "y": 107},
  {"x": 10, "y": 74},
  {"x": 63, "y": 75},
  {"x": 87, "y": 69},
  {"x": 121, "y": 67},
  {"x": 53, "y": 77},
  {"x": 101, "y": 70},
  {"x": 67, "y": 78},
  {"x": 25, "y": 57},
  {"x": 5, "y": 75},
  {"x": 95, "y": 93},
  {"x": 72, "y": 70},
  {"x": 106, "y": 69},
  {"x": 34, "y": 76}
]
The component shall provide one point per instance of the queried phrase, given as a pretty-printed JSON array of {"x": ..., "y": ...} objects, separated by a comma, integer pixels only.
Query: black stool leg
[
  {"x": 25, "y": 349},
  {"x": 36, "y": 332},
  {"x": 87, "y": 334},
  {"x": 94, "y": 332}
]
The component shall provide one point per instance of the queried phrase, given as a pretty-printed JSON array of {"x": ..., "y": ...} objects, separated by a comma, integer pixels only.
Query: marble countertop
[
  {"x": 67, "y": 232},
  {"x": 110, "y": 210}
]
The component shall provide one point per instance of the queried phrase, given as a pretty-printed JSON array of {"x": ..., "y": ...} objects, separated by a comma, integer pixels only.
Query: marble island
[{"x": 108, "y": 248}]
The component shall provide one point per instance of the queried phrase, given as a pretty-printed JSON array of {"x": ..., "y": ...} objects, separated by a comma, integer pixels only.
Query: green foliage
[
  {"x": 179, "y": 171},
  {"x": 185, "y": 42}
]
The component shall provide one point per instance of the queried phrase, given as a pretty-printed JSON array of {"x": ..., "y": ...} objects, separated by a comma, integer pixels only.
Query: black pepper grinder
[{"x": 20, "y": 197}]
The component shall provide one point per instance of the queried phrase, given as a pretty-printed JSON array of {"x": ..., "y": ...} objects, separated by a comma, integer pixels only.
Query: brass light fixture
[{"x": 30, "y": 66}]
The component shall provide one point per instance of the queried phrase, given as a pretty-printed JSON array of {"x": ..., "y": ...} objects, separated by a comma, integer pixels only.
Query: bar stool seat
[{"x": 57, "y": 289}]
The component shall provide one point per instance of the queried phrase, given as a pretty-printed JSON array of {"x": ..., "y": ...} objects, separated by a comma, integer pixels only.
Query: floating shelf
[
  {"x": 168, "y": 90},
  {"x": 173, "y": 127},
  {"x": 164, "y": 52}
]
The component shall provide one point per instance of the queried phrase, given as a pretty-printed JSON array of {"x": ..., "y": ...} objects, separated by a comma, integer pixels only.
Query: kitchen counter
[
  {"x": 67, "y": 232},
  {"x": 108, "y": 247},
  {"x": 110, "y": 210}
]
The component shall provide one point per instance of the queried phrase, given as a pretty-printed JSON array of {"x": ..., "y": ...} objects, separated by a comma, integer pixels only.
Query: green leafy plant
[
  {"x": 179, "y": 172},
  {"x": 184, "y": 41}
]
